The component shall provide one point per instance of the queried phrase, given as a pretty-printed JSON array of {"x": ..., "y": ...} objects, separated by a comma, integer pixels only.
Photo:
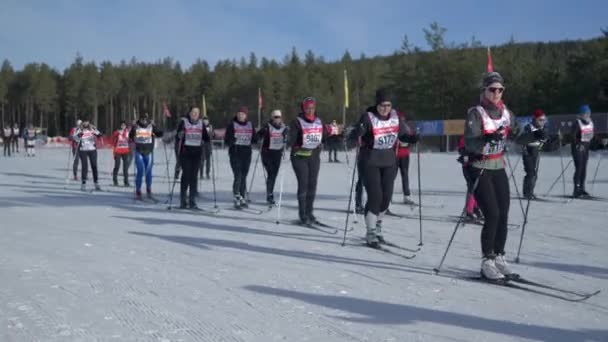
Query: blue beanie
[{"x": 584, "y": 109}]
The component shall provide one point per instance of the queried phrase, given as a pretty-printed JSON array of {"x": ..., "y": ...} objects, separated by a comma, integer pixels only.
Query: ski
[
  {"x": 393, "y": 245},
  {"x": 248, "y": 210},
  {"x": 511, "y": 284},
  {"x": 319, "y": 228},
  {"x": 416, "y": 205},
  {"x": 196, "y": 211},
  {"x": 387, "y": 250},
  {"x": 518, "y": 279}
]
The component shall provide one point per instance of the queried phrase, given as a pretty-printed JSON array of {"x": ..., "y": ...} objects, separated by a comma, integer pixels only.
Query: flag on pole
[
  {"x": 204, "y": 106},
  {"x": 166, "y": 111},
  {"x": 345, "y": 89},
  {"x": 260, "y": 102},
  {"x": 490, "y": 67}
]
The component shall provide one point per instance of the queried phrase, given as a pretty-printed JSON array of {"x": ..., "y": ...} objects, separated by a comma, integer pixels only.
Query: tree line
[{"x": 439, "y": 82}]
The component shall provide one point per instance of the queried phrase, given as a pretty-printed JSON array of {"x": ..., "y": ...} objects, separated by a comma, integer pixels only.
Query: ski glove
[
  {"x": 540, "y": 134},
  {"x": 493, "y": 137}
]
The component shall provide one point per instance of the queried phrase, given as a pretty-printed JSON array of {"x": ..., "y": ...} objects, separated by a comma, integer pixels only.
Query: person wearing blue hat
[{"x": 582, "y": 133}]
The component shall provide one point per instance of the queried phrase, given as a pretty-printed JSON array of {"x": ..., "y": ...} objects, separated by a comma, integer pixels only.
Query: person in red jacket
[
  {"x": 403, "y": 164},
  {"x": 120, "y": 141}
]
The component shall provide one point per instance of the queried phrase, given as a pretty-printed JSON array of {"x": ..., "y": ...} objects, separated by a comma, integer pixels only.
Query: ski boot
[
  {"x": 407, "y": 200},
  {"x": 489, "y": 271},
  {"x": 584, "y": 194},
  {"x": 503, "y": 267},
  {"x": 371, "y": 238},
  {"x": 244, "y": 203},
  {"x": 478, "y": 214},
  {"x": 182, "y": 202},
  {"x": 379, "y": 234},
  {"x": 115, "y": 181},
  {"x": 97, "y": 187},
  {"x": 270, "y": 200},
  {"x": 127, "y": 185},
  {"x": 149, "y": 195},
  {"x": 192, "y": 203},
  {"x": 138, "y": 195},
  {"x": 83, "y": 187},
  {"x": 237, "y": 201}
]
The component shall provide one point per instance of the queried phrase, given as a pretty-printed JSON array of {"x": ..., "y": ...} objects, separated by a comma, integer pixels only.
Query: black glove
[
  {"x": 415, "y": 138},
  {"x": 540, "y": 134},
  {"x": 494, "y": 137}
]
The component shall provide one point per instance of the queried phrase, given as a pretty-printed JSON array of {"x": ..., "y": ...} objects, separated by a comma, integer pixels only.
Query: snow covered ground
[{"x": 98, "y": 267}]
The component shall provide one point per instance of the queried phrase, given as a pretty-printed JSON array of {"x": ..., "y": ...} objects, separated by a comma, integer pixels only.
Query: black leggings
[
  {"x": 190, "y": 164},
  {"x": 7, "y": 146},
  {"x": 580, "y": 154},
  {"x": 75, "y": 163},
  {"x": 493, "y": 197},
  {"x": 240, "y": 162},
  {"x": 272, "y": 162},
  {"x": 379, "y": 182},
  {"x": 125, "y": 167},
  {"x": 92, "y": 156},
  {"x": 404, "y": 165},
  {"x": 530, "y": 159},
  {"x": 206, "y": 160},
  {"x": 15, "y": 143},
  {"x": 359, "y": 185},
  {"x": 307, "y": 173}
]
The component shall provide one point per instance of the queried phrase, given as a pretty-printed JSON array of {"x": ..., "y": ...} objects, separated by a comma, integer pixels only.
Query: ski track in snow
[{"x": 98, "y": 267}]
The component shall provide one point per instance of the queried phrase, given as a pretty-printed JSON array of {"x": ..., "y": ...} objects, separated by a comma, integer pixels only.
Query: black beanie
[
  {"x": 492, "y": 77},
  {"x": 382, "y": 95}
]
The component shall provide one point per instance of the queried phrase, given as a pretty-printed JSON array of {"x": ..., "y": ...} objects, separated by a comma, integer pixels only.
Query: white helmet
[{"x": 276, "y": 113}]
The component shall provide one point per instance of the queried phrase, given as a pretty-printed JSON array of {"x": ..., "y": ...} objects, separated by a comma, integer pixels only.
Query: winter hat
[
  {"x": 492, "y": 77},
  {"x": 243, "y": 109},
  {"x": 382, "y": 95},
  {"x": 78, "y": 122},
  {"x": 584, "y": 109},
  {"x": 308, "y": 101},
  {"x": 276, "y": 112},
  {"x": 538, "y": 113}
]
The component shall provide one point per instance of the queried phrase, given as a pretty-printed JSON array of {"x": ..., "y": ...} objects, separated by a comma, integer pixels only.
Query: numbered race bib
[
  {"x": 312, "y": 133},
  {"x": 87, "y": 141},
  {"x": 123, "y": 139},
  {"x": 385, "y": 131},
  {"x": 276, "y": 140},
  {"x": 143, "y": 135},
  {"x": 193, "y": 133},
  {"x": 7, "y": 132},
  {"x": 490, "y": 126},
  {"x": 243, "y": 134},
  {"x": 586, "y": 131}
]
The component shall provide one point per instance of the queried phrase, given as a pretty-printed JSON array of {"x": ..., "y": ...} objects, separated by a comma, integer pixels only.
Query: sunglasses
[
  {"x": 494, "y": 89},
  {"x": 276, "y": 117}
]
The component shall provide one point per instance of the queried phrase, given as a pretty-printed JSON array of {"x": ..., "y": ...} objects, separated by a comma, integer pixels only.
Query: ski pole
[
  {"x": 523, "y": 226},
  {"x": 346, "y": 152},
  {"x": 460, "y": 220},
  {"x": 597, "y": 167},
  {"x": 419, "y": 192},
  {"x": 521, "y": 204},
  {"x": 255, "y": 167},
  {"x": 179, "y": 152},
  {"x": 561, "y": 160},
  {"x": 167, "y": 164},
  {"x": 213, "y": 174},
  {"x": 76, "y": 155},
  {"x": 350, "y": 197},
  {"x": 561, "y": 175},
  {"x": 281, "y": 181},
  {"x": 515, "y": 166}
]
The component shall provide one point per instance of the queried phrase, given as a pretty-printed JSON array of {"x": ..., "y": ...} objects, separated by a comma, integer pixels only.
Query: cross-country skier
[
  {"x": 87, "y": 135},
  {"x": 305, "y": 138},
  {"x": 143, "y": 134},
  {"x": 207, "y": 150},
  {"x": 403, "y": 164},
  {"x": 380, "y": 128},
  {"x": 531, "y": 152},
  {"x": 273, "y": 136},
  {"x": 29, "y": 136},
  {"x": 16, "y": 136},
  {"x": 240, "y": 135},
  {"x": 74, "y": 144},
  {"x": 7, "y": 139},
  {"x": 192, "y": 134},
  {"x": 487, "y": 127},
  {"x": 333, "y": 140},
  {"x": 120, "y": 142},
  {"x": 582, "y": 134}
]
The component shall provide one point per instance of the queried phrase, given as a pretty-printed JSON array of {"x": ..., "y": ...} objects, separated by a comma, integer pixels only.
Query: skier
[
  {"x": 239, "y": 137},
  {"x": 531, "y": 151},
  {"x": 403, "y": 164},
  {"x": 472, "y": 211},
  {"x": 305, "y": 138},
  {"x": 16, "y": 136},
  {"x": 380, "y": 128},
  {"x": 74, "y": 144},
  {"x": 488, "y": 125},
  {"x": 207, "y": 149},
  {"x": 120, "y": 140},
  {"x": 87, "y": 135},
  {"x": 273, "y": 136},
  {"x": 143, "y": 134},
  {"x": 582, "y": 134},
  {"x": 29, "y": 136},
  {"x": 192, "y": 134},
  {"x": 7, "y": 139},
  {"x": 333, "y": 140}
]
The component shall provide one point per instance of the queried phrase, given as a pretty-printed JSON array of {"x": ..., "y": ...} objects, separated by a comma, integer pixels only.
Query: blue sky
[{"x": 54, "y": 31}]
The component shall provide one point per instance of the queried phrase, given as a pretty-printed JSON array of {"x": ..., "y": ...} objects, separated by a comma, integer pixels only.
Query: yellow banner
[
  {"x": 453, "y": 127},
  {"x": 345, "y": 89}
]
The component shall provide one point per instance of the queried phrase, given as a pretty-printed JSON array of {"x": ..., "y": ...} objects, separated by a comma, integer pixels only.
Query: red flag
[
  {"x": 260, "y": 98},
  {"x": 490, "y": 67},
  {"x": 166, "y": 111}
]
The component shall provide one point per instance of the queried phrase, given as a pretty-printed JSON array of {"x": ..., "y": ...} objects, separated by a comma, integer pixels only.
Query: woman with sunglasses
[
  {"x": 488, "y": 125},
  {"x": 305, "y": 137},
  {"x": 531, "y": 152},
  {"x": 273, "y": 136},
  {"x": 380, "y": 129}
]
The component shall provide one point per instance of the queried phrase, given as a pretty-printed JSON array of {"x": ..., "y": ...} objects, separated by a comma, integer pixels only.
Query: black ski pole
[
  {"x": 213, "y": 174},
  {"x": 167, "y": 164},
  {"x": 460, "y": 220},
  {"x": 179, "y": 152},
  {"x": 521, "y": 204},
  {"x": 255, "y": 167},
  {"x": 523, "y": 226},
  {"x": 350, "y": 197},
  {"x": 561, "y": 159},
  {"x": 561, "y": 175},
  {"x": 419, "y": 192}
]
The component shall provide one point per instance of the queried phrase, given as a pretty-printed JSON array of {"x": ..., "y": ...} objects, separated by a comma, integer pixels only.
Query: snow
[{"x": 83, "y": 267}]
